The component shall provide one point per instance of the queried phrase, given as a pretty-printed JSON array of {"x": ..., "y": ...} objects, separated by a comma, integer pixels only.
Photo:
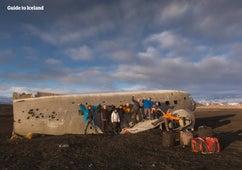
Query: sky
[{"x": 88, "y": 46}]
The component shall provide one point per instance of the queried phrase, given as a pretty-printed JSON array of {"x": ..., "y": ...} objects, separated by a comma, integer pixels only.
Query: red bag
[{"x": 205, "y": 145}]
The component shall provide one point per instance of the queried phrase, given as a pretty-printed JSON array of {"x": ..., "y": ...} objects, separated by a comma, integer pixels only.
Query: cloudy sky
[{"x": 80, "y": 46}]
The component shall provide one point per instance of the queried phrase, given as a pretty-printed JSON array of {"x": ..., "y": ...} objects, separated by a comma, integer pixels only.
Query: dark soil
[{"x": 130, "y": 151}]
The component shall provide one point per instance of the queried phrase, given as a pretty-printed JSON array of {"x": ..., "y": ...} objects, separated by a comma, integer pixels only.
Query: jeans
[
  {"x": 93, "y": 125},
  {"x": 147, "y": 112}
]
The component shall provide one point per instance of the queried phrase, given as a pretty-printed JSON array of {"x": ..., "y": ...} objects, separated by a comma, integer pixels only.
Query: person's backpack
[
  {"x": 83, "y": 111},
  {"x": 205, "y": 145}
]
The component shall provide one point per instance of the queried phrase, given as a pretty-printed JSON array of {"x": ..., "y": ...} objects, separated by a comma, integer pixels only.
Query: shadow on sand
[
  {"x": 217, "y": 121},
  {"x": 214, "y": 121},
  {"x": 227, "y": 138}
]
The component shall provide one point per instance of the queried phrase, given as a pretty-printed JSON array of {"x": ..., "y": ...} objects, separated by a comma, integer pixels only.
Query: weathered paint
[{"x": 58, "y": 115}]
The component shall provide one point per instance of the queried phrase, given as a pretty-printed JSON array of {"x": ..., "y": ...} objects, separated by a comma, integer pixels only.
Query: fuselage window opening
[{"x": 167, "y": 103}]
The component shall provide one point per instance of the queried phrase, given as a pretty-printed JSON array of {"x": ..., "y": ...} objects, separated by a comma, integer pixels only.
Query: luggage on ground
[
  {"x": 205, "y": 131},
  {"x": 185, "y": 138},
  {"x": 205, "y": 145},
  {"x": 168, "y": 139}
]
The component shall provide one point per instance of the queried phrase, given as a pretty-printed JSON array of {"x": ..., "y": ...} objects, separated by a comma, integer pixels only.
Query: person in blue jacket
[
  {"x": 88, "y": 116},
  {"x": 147, "y": 104}
]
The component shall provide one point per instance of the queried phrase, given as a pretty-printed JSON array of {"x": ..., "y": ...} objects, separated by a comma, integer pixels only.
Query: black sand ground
[{"x": 129, "y": 151}]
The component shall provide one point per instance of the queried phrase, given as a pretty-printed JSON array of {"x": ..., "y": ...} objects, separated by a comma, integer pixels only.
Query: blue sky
[{"x": 81, "y": 46}]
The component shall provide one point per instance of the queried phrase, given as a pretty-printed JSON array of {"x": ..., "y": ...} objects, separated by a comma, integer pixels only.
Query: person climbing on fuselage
[
  {"x": 88, "y": 116},
  {"x": 136, "y": 110}
]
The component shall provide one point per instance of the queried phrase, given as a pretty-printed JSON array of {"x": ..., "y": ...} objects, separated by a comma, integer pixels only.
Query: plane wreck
[{"x": 55, "y": 114}]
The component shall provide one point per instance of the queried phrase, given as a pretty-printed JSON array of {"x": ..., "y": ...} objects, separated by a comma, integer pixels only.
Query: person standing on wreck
[
  {"x": 136, "y": 110},
  {"x": 90, "y": 119},
  {"x": 147, "y": 107}
]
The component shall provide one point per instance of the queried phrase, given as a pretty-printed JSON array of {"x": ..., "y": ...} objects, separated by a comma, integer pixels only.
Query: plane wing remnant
[{"x": 140, "y": 127}]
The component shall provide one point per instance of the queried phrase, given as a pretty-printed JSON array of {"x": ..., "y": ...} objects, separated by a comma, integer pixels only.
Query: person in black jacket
[
  {"x": 104, "y": 118},
  {"x": 123, "y": 117}
]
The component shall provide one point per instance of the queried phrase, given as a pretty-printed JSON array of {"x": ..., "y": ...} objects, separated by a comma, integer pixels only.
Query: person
[
  {"x": 141, "y": 109},
  {"x": 136, "y": 110},
  {"x": 147, "y": 103},
  {"x": 161, "y": 119},
  {"x": 127, "y": 108},
  {"x": 115, "y": 119},
  {"x": 104, "y": 118},
  {"x": 89, "y": 119},
  {"x": 156, "y": 112},
  {"x": 123, "y": 120}
]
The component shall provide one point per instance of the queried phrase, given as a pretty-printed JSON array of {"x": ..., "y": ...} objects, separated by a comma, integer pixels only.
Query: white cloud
[
  {"x": 135, "y": 88},
  {"x": 52, "y": 61},
  {"x": 20, "y": 89},
  {"x": 121, "y": 55},
  {"x": 80, "y": 53},
  {"x": 131, "y": 73},
  {"x": 55, "y": 36},
  {"x": 160, "y": 44},
  {"x": 8, "y": 91},
  {"x": 149, "y": 54},
  {"x": 84, "y": 76},
  {"x": 74, "y": 26},
  {"x": 173, "y": 10},
  {"x": 167, "y": 40}
]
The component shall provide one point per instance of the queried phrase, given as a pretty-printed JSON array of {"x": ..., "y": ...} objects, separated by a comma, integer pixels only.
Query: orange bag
[{"x": 205, "y": 145}]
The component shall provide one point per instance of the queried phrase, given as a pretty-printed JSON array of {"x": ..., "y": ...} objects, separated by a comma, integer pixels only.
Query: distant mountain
[{"x": 222, "y": 100}]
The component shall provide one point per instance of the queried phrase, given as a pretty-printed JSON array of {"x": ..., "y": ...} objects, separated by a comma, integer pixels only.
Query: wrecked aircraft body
[{"x": 52, "y": 114}]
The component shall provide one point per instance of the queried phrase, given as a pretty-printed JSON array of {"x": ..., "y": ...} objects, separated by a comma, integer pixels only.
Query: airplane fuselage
[{"x": 59, "y": 114}]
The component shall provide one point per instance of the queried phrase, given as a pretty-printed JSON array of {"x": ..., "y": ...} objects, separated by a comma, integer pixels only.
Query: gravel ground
[{"x": 129, "y": 151}]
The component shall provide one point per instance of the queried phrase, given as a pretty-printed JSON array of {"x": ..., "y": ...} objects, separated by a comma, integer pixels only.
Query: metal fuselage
[{"x": 58, "y": 115}]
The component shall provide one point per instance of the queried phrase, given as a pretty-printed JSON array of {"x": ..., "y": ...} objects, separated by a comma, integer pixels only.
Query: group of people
[{"x": 111, "y": 116}]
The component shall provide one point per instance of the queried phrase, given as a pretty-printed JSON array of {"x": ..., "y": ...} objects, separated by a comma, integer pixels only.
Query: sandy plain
[{"x": 130, "y": 151}]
